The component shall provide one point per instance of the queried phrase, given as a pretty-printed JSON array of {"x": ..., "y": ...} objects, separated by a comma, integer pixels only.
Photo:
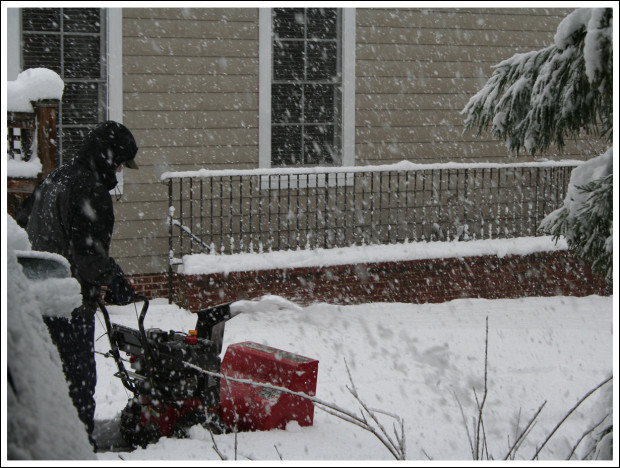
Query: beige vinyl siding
[
  {"x": 190, "y": 96},
  {"x": 416, "y": 69}
]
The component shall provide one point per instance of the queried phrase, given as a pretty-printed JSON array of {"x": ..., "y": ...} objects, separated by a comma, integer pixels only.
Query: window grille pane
[
  {"x": 42, "y": 51},
  {"x": 319, "y": 103},
  {"x": 72, "y": 137},
  {"x": 286, "y": 145},
  {"x": 287, "y": 103},
  {"x": 288, "y": 61},
  {"x": 322, "y": 61},
  {"x": 40, "y": 19},
  {"x": 81, "y": 20},
  {"x": 82, "y": 56},
  {"x": 288, "y": 23},
  {"x": 322, "y": 23},
  {"x": 80, "y": 104},
  {"x": 318, "y": 144}
]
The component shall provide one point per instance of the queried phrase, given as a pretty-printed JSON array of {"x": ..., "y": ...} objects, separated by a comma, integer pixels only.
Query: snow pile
[
  {"x": 42, "y": 422},
  {"x": 196, "y": 264},
  {"x": 33, "y": 84}
]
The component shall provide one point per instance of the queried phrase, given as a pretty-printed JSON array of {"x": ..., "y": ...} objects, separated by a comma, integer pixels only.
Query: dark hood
[{"x": 105, "y": 147}]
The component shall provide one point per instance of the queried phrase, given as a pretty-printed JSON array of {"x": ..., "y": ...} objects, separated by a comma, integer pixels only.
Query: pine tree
[{"x": 541, "y": 98}]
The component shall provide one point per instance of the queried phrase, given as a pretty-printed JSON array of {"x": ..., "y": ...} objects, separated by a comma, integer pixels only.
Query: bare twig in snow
[
  {"x": 215, "y": 447},
  {"x": 569, "y": 413},
  {"x": 524, "y": 433},
  {"x": 397, "y": 449},
  {"x": 471, "y": 444},
  {"x": 484, "y": 397}
]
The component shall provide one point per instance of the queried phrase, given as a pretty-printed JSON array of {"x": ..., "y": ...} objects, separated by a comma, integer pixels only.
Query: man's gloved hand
[{"x": 119, "y": 291}]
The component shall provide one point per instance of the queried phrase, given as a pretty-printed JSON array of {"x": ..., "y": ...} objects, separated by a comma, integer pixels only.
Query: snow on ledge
[
  {"x": 34, "y": 84},
  {"x": 24, "y": 169},
  {"x": 197, "y": 264}
]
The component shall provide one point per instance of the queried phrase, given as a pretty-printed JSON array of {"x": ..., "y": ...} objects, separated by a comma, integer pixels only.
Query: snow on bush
[{"x": 42, "y": 422}]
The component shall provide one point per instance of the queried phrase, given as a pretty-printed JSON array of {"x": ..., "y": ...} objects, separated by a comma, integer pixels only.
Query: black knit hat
[{"x": 119, "y": 139}]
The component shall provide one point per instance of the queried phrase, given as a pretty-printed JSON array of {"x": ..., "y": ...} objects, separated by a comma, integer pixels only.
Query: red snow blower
[{"x": 178, "y": 380}]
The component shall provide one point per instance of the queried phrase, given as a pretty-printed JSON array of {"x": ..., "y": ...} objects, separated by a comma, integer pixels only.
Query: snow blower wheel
[{"x": 133, "y": 431}]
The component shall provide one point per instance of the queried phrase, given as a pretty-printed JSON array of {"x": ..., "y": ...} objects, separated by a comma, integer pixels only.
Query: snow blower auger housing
[{"x": 171, "y": 390}]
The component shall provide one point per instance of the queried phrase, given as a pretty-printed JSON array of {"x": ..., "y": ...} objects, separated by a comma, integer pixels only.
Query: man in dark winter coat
[{"x": 71, "y": 214}]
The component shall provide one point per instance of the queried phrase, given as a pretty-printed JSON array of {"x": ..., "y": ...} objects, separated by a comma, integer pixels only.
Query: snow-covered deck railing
[{"x": 245, "y": 211}]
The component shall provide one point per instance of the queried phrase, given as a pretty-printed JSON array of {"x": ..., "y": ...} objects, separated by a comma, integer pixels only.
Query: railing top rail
[{"x": 402, "y": 166}]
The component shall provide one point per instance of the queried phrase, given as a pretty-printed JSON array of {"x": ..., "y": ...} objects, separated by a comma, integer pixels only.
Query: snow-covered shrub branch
[{"x": 585, "y": 220}]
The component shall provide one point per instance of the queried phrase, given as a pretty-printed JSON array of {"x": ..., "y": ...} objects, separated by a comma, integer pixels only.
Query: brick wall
[
  {"x": 151, "y": 285},
  {"x": 419, "y": 281}
]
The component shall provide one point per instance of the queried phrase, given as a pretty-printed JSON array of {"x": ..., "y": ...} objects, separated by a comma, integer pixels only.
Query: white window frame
[
  {"x": 114, "y": 37},
  {"x": 348, "y": 88}
]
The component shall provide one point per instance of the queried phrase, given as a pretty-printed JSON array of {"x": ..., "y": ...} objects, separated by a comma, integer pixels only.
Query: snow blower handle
[{"x": 114, "y": 344}]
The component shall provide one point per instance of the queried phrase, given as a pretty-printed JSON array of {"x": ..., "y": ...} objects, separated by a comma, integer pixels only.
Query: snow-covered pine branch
[{"x": 540, "y": 98}]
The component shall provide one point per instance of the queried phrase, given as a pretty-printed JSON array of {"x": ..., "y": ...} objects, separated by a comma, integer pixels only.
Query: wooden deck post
[{"x": 47, "y": 136}]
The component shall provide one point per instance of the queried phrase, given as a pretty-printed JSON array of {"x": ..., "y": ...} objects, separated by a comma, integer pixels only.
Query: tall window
[
  {"x": 71, "y": 42},
  {"x": 306, "y": 87}
]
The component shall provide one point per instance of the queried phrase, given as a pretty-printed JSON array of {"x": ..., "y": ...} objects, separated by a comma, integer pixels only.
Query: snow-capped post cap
[{"x": 33, "y": 84}]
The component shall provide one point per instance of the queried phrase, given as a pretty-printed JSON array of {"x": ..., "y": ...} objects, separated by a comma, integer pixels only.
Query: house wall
[
  {"x": 191, "y": 81},
  {"x": 191, "y": 100}
]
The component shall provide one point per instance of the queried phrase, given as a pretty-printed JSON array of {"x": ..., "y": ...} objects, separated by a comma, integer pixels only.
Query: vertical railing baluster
[
  {"x": 201, "y": 215},
  {"x": 180, "y": 217},
  {"x": 308, "y": 236},
  {"x": 170, "y": 242},
  {"x": 241, "y": 212},
  {"x": 191, "y": 214}
]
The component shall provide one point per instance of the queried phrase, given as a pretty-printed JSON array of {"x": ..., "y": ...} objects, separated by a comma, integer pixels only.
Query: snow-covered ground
[{"x": 420, "y": 362}]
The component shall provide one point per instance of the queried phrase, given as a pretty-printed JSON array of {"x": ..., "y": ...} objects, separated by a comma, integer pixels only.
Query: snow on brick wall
[{"x": 555, "y": 273}]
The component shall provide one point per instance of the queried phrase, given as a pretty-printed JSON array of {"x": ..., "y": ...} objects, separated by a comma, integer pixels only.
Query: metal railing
[{"x": 227, "y": 212}]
